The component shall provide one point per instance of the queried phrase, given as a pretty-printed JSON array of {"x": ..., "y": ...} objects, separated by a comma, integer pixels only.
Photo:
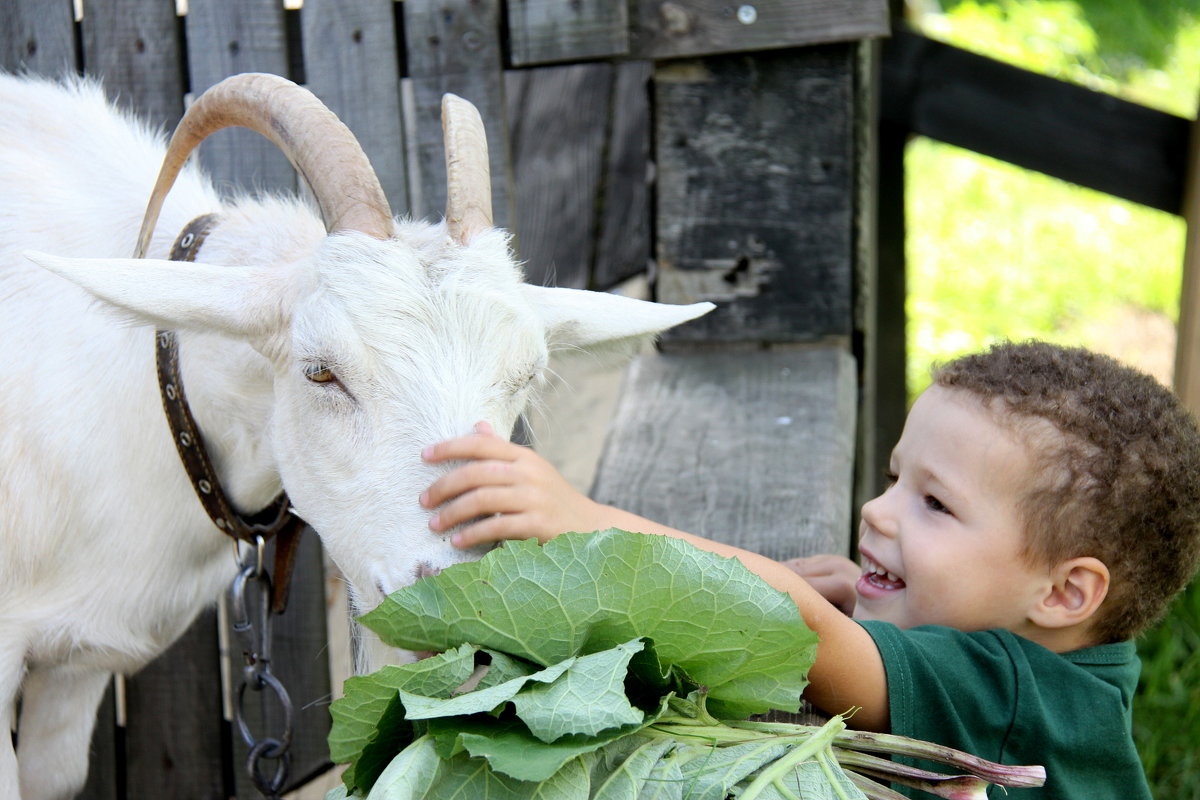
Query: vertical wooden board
[
  {"x": 102, "y": 763},
  {"x": 558, "y": 122},
  {"x": 885, "y": 390},
  {"x": 454, "y": 46},
  {"x": 542, "y": 31},
  {"x": 37, "y": 36},
  {"x": 299, "y": 661},
  {"x": 226, "y": 37},
  {"x": 351, "y": 63},
  {"x": 754, "y": 448},
  {"x": 134, "y": 47},
  {"x": 756, "y": 192},
  {"x": 1187, "y": 347},
  {"x": 173, "y": 721},
  {"x": 686, "y": 28},
  {"x": 623, "y": 246}
]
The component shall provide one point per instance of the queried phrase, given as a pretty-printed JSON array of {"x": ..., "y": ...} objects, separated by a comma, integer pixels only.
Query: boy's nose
[{"x": 878, "y": 516}]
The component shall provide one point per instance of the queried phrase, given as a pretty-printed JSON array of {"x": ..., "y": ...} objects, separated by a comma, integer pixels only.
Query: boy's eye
[
  {"x": 890, "y": 477},
  {"x": 933, "y": 504}
]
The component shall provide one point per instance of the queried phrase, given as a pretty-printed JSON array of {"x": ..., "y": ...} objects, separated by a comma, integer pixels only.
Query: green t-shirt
[{"x": 1009, "y": 700}]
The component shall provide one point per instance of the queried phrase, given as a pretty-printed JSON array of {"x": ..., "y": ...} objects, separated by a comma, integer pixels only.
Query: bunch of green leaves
[{"x": 595, "y": 666}]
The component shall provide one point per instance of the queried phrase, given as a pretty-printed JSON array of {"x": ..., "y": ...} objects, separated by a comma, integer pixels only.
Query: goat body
[{"x": 105, "y": 553}]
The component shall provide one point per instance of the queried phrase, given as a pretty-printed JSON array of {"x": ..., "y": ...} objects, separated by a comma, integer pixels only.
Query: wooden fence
[{"x": 722, "y": 147}]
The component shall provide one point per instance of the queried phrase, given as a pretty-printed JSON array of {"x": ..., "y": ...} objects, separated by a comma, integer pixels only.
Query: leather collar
[{"x": 273, "y": 522}]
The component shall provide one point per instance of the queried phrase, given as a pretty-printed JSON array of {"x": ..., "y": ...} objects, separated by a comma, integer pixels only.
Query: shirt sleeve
[{"x": 949, "y": 687}]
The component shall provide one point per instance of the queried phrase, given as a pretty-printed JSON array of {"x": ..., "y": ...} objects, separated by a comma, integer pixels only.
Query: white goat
[{"x": 318, "y": 358}]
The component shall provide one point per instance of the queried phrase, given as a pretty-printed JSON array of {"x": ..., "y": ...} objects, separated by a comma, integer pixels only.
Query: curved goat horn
[
  {"x": 320, "y": 147},
  {"x": 468, "y": 179}
]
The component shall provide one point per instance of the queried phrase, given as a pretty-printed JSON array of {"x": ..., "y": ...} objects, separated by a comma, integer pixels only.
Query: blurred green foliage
[{"x": 1146, "y": 51}]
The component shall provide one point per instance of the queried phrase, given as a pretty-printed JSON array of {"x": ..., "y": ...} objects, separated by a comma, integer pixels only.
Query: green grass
[{"x": 997, "y": 252}]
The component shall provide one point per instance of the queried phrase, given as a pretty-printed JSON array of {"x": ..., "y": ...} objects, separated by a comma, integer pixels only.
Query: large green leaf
[
  {"x": 509, "y": 747},
  {"x": 582, "y": 593},
  {"x": 587, "y": 699},
  {"x": 369, "y": 726},
  {"x": 419, "y": 706},
  {"x": 419, "y": 773}
]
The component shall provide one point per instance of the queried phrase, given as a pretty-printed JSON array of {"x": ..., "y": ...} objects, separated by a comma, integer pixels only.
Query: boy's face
[{"x": 941, "y": 546}]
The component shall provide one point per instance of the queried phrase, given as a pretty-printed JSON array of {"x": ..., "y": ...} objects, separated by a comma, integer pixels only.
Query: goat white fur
[{"x": 105, "y": 553}]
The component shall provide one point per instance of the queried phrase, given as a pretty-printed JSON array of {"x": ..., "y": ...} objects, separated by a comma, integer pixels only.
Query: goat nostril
[{"x": 425, "y": 570}]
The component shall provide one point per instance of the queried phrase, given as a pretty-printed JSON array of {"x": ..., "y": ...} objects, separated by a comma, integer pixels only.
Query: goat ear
[
  {"x": 239, "y": 301},
  {"x": 602, "y": 323}
]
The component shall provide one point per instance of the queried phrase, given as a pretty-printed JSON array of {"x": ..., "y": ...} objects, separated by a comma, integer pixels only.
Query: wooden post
[
  {"x": 884, "y": 346},
  {"x": 1187, "y": 347}
]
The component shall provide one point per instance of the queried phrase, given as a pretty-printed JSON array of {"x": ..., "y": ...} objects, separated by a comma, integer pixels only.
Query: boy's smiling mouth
[{"x": 879, "y": 578}]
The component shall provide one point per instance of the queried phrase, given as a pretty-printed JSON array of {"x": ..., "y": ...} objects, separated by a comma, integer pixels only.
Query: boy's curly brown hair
[{"x": 1122, "y": 482}]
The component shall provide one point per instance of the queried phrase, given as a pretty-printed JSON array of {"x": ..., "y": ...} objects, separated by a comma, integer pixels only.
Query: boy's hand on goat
[
  {"x": 505, "y": 491},
  {"x": 833, "y": 576}
]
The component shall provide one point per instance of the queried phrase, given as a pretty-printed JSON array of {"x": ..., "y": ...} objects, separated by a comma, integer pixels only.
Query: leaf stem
[
  {"x": 806, "y": 750},
  {"x": 999, "y": 774}
]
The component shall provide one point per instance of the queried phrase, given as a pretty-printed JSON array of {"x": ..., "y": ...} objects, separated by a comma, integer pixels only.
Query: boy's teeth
[{"x": 875, "y": 569}]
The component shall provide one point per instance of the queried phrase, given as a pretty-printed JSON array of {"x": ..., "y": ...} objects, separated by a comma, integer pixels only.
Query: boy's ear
[{"x": 1079, "y": 587}]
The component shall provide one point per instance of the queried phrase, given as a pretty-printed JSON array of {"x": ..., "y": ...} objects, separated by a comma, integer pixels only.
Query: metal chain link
[{"x": 251, "y": 622}]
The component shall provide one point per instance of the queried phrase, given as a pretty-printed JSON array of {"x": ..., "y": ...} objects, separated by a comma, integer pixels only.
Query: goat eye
[{"x": 319, "y": 373}]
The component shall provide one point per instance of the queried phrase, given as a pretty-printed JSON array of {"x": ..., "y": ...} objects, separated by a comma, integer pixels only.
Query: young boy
[{"x": 1043, "y": 507}]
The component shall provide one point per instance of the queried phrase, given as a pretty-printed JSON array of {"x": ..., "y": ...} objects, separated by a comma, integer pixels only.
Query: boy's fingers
[
  {"x": 471, "y": 447},
  {"x": 485, "y": 501},
  {"x": 492, "y": 529},
  {"x": 472, "y": 475}
]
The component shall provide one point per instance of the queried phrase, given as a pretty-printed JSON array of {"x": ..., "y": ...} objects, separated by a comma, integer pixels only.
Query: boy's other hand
[
  {"x": 504, "y": 491},
  {"x": 833, "y": 576}
]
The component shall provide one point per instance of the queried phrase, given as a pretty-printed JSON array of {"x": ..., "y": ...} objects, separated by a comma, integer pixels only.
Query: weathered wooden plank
[
  {"x": 454, "y": 46},
  {"x": 580, "y": 138},
  {"x": 557, "y": 128},
  {"x": 352, "y": 64},
  {"x": 37, "y": 36},
  {"x": 299, "y": 661},
  {"x": 135, "y": 47},
  {"x": 750, "y": 447},
  {"x": 688, "y": 28},
  {"x": 226, "y": 37},
  {"x": 1086, "y": 137},
  {"x": 544, "y": 31},
  {"x": 756, "y": 192},
  {"x": 624, "y": 240},
  {"x": 173, "y": 713}
]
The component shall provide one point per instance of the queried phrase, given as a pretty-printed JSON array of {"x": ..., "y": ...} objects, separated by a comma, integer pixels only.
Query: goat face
[{"x": 394, "y": 348}]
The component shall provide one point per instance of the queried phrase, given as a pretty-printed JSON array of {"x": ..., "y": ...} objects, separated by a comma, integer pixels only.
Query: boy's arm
[{"x": 513, "y": 493}]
